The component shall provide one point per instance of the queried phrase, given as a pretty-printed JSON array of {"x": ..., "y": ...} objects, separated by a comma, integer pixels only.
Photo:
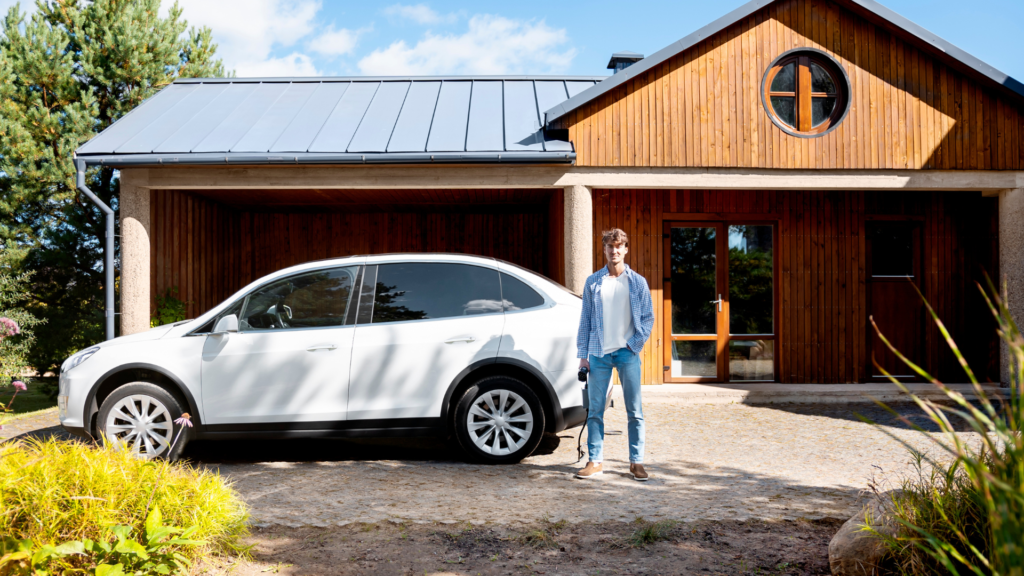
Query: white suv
[{"x": 389, "y": 345}]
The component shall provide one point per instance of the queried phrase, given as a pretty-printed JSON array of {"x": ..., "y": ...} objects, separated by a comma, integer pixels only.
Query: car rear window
[{"x": 422, "y": 291}]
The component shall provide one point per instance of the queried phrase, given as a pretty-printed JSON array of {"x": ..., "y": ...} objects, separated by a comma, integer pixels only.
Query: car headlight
[{"x": 79, "y": 358}]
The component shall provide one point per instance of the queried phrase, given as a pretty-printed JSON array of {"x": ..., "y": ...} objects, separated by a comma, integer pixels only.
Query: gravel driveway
[{"x": 707, "y": 462}]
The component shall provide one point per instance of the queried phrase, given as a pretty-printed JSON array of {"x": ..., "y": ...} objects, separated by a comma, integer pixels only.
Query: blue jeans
[{"x": 628, "y": 365}]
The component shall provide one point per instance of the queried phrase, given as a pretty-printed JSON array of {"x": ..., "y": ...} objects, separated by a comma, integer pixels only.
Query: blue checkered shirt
[{"x": 589, "y": 340}]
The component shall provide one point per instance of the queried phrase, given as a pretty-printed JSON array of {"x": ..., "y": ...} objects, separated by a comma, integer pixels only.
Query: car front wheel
[
  {"x": 140, "y": 417},
  {"x": 499, "y": 420}
]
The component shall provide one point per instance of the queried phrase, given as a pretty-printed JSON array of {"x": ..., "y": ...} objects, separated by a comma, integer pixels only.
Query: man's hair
[{"x": 613, "y": 236}]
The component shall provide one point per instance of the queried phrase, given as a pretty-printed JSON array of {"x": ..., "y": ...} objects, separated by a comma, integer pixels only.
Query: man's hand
[{"x": 584, "y": 363}]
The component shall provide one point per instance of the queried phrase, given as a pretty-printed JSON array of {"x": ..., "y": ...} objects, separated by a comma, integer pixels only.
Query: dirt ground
[{"x": 729, "y": 547}]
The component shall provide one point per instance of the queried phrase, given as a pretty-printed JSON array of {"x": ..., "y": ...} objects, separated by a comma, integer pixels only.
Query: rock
[{"x": 853, "y": 552}]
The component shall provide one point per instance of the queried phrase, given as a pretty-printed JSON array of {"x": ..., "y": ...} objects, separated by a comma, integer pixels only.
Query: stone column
[
  {"x": 578, "y": 237},
  {"x": 1011, "y": 262},
  {"x": 134, "y": 209}
]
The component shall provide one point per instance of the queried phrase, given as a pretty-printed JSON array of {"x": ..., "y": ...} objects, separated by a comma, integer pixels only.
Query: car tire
[
  {"x": 119, "y": 414},
  {"x": 516, "y": 431}
]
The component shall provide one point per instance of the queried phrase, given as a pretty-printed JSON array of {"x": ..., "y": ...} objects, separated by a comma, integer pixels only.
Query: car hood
[{"x": 151, "y": 334}]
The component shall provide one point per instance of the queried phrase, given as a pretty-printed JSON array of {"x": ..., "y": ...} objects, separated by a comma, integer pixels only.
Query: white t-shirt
[{"x": 617, "y": 313}]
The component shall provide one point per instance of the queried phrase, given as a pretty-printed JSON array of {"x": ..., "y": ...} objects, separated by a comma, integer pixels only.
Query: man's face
[{"x": 614, "y": 253}]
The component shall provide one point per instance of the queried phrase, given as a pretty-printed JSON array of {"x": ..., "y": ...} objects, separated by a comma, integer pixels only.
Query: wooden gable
[{"x": 909, "y": 109}]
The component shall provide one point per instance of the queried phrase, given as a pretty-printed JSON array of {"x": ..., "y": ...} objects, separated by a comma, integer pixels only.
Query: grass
[
  {"x": 544, "y": 536},
  {"x": 964, "y": 512},
  {"x": 649, "y": 532},
  {"x": 56, "y": 491}
]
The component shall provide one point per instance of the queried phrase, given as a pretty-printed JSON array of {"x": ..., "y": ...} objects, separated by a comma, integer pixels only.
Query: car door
[
  {"x": 420, "y": 324},
  {"x": 289, "y": 361}
]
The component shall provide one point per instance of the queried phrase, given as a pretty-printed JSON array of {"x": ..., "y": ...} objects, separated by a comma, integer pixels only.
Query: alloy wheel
[
  {"x": 141, "y": 424},
  {"x": 499, "y": 422}
]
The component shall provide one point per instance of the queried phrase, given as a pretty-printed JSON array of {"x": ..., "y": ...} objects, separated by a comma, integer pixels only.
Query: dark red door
[{"x": 894, "y": 271}]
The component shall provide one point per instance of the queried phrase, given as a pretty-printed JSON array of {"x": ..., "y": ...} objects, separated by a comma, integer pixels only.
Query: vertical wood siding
[
  {"x": 822, "y": 321},
  {"x": 703, "y": 107},
  {"x": 207, "y": 250}
]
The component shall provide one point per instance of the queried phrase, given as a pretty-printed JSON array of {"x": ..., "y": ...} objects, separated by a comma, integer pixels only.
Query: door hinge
[
  {"x": 667, "y": 368},
  {"x": 666, "y": 236}
]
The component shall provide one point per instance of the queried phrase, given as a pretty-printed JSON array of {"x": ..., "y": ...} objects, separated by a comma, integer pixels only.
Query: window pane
[
  {"x": 516, "y": 295},
  {"x": 785, "y": 109},
  {"x": 821, "y": 80},
  {"x": 425, "y": 291},
  {"x": 751, "y": 360},
  {"x": 311, "y": 300},
  {"x": 694, "y": 358},
  {"x": 693, "y": 281},
  {"x": 785, "y": 80},
  {"x": 821, "y": 109},
  {"x": 751, "y": 298},
  {"x": 892, "y": 250}
]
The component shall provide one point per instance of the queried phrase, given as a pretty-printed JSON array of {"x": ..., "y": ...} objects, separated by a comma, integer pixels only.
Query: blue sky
[{"x": 331, "y": 37}]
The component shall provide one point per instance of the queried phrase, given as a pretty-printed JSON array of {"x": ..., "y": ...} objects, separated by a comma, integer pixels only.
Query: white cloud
[
  {"x": 419, "y": 13},
  {"x": 492, "y": 45},
  {"x": 246, "y": 32},
  {"x": 333, "y": 42}
]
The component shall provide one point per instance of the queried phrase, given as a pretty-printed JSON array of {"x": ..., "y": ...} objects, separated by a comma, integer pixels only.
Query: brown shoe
[
  {"x": 590, "y": 472},
  {"x": 638, "y": 472}
]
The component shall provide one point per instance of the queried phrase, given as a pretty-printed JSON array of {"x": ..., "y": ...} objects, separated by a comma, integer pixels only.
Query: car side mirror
[{"x": 226, "y": 324}]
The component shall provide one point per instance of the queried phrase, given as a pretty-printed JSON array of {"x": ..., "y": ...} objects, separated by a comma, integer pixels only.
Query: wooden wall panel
[
  {"x": 207, "y": 250},
  {"x": 909, "y": 109},
  {"x": 822, "y": 320}
]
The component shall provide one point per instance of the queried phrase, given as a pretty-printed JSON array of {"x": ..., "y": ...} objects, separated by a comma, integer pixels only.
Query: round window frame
[{"x": 843, "y": 94}]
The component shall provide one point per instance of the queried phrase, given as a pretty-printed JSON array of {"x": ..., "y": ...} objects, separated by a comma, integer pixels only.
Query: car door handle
[
  {"x": 327, "y": 346},
  {"x": 460, "y": 339}
]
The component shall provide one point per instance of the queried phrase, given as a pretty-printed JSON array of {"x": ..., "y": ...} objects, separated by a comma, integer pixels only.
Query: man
[{"x": 616, "y": 322}]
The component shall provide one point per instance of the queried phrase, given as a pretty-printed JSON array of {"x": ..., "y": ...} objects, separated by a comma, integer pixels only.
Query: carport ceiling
[{"x": 431, "y": 200}]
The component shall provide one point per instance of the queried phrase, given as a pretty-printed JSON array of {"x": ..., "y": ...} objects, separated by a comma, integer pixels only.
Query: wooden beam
[{"x": 434, "y": 177}]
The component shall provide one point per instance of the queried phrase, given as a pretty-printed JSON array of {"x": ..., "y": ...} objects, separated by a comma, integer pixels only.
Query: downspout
[{"x": 108, "y": 263}]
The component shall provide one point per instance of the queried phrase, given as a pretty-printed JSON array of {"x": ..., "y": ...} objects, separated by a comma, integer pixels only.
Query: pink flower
[
  {"x": 19, "y": 385},
  {"x": 185, "y": 421},
  {"x": 8, "y": 327}
]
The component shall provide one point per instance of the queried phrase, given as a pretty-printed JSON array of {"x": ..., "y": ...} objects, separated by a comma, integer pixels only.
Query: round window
[{"x": 805, "y": 93}]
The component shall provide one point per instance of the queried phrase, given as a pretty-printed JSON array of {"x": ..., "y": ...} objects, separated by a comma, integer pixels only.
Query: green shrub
[
  {"x": 55, "y": 492},
  {"x": 964, "y": 513},
  {"x": 169, "y": 309},
  {"x": 14, "y": 292}
]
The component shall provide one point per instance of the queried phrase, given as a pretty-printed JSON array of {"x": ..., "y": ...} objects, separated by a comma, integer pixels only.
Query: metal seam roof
[
  {"x": 917, "y": 32},
  {"x": 342, "y": 120}
]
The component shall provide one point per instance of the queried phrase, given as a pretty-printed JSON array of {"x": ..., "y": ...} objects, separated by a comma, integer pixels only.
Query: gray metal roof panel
[
  {"x": 167, "y": 124},
  {"x": 307, "y": 123},
  {"x": 125, "y": 128},
  {"x": 193, "y": 131},
  {"x": 378, "y": 123},
  {"x": 339, "y": 127},
  {"x": 413, "y": 125},
  {"x": 396, "y": 119},
  {"x": 872, "y": 7},
  {"x": 522, "y": 122},
  {"x": 242, "y": 118},
  {"x": 486, "y": 130},
  {"x": 448, "y": 132},
  {"x": 276, "y": 119}
]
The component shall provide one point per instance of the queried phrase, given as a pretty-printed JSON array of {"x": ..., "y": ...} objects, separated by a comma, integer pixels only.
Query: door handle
[
  {"x": 466, "y": 339},
  {"x": 327, "y": 346},
  {"x": 719, "y": 302}
]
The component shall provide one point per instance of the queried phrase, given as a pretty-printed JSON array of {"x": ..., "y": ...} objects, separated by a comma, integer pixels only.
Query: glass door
[{"x": 720, "y": 299}]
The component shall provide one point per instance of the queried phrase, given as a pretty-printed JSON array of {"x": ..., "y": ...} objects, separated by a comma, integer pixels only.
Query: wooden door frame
[
  {"x": 919, "y": 250},
  {"x": 721, "y": 221}
]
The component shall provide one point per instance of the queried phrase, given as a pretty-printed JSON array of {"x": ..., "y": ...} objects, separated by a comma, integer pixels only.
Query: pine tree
[{"x": 66, "y": 73}]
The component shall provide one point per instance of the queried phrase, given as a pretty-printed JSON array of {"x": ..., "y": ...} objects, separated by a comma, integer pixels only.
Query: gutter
[
  {"x": 221, "y": 159},
  {"x": 108, "y": 264}
]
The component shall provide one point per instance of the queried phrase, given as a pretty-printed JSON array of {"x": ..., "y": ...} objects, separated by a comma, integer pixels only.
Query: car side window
[
  {"x": 516, "y": 295},
  {"x": 421, "y": 291},
  {"x": 317, "y": 299}
]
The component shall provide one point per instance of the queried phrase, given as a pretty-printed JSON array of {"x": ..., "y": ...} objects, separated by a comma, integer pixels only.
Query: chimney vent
[{"x": 622, "y": 60}]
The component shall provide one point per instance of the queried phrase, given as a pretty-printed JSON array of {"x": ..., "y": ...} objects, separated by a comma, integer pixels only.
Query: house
[{"x": 785, "y": 174}]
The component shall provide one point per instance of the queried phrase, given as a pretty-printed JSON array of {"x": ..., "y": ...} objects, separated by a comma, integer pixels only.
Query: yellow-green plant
[
  {"x": 966, "y": 516},
  {"x": 53, "y": 492}
]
